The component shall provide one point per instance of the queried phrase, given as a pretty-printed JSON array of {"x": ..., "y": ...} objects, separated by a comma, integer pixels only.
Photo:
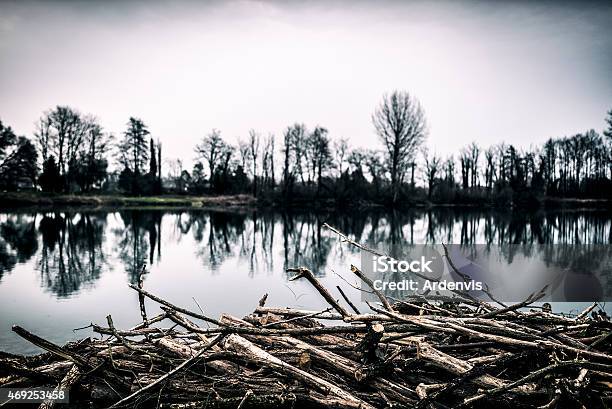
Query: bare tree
[
  {"x": 465, "y": 160},
  {"x": 433, "y": 164},
  {"x": 243, "y": 153},
  {"x": 267, "y": 162},
  {"x": 340, "y": 153},
  {"x": 43, "y": 136},
  {"x": 175, "y": 171},
  {"x": 159, "y": 164},
  {"x": 74, "y": 141},
  {"x": 293, "y": 149},
  {"x": 608, "y": 134},
  {"x": 321, "y": 154},
  {"x": 225, "y": 158},
  {"x": 287, "y": 169},
  {"x": 356, "y": 160},
  {"x": 502, "y": 166},
  {"x": 210, "y": 150},
  {"x": 490, "y": 167},
  {"x": 254, "y": 153},
  {"x": 400, "y": 124},
  {"x": 60, "y": 133},
  {"x": 376, "y": 168},
  {"x": 270, "y": 149},
  {"x": 298, "y": 146},
  {"x": 449, "y": 170},
  {"x": 474, "y": 153},
  {"x": 308, "y": 156},
  {"x": 92, "y": 163}
]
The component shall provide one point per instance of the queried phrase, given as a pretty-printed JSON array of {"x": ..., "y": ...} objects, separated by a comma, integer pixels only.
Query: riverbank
[{"x": 20, "y": 200}]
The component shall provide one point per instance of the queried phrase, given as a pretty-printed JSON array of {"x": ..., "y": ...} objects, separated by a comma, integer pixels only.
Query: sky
[{"x": 517, "y": 72}]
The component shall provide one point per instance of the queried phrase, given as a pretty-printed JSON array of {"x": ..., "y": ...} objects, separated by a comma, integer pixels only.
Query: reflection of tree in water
[
  {"x": 469, "y": 227},
  {"x": 387, "y": 229},
  {"x": 576, "y": 241},
  {"x": 133, "y": 247},
  {"x": 252, "y": 248},
  {"x": 18, "y": 241},
  {"x": 580, "y": 258},
  {"x": 220, "y": 234},
  {"x": 304, "y": 242},
  {"x": 72, "y": 254},
  {"x": 251, "y": 237},
  {"x": 384, "y": 230}
]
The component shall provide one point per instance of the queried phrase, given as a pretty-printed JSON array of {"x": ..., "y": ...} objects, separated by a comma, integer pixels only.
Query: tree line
[{"x": 71, "y": 152}]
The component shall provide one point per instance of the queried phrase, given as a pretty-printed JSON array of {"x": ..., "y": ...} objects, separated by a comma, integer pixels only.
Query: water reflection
[
  {"x": 72, "y": 250},
  {"x": 137, "y": 240},
  {"x": 72, "y": 254},
  {"x": 18, "y": 241}
]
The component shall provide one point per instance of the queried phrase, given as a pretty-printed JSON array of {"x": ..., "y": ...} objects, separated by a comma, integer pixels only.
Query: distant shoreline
[
  {"x": 21, "y": 200},
  {"x": 24, "y": 200}
]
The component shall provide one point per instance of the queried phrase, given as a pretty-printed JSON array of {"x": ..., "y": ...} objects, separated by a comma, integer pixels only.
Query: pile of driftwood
[{"x": 437, "y": 352}]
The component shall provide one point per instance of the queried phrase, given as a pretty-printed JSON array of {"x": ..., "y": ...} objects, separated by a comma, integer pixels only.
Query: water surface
[{"x": 63, "y": 270}]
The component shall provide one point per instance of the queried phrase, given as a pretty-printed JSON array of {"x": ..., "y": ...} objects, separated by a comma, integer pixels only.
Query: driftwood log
[{"x": 424, "y": 353}]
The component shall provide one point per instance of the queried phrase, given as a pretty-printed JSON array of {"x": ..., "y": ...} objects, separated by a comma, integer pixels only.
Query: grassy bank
[{"x": 14, "y": 200}]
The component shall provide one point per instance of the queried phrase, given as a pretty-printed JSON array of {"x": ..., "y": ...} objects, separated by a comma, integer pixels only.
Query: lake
[{"x": 63, "y": 270}]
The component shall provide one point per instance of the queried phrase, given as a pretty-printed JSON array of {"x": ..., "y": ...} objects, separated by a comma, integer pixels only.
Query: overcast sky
[{"x": 518, "y": 72}]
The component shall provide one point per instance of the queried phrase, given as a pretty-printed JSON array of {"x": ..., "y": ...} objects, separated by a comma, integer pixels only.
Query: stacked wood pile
[{"x": 439, "y": 352}]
